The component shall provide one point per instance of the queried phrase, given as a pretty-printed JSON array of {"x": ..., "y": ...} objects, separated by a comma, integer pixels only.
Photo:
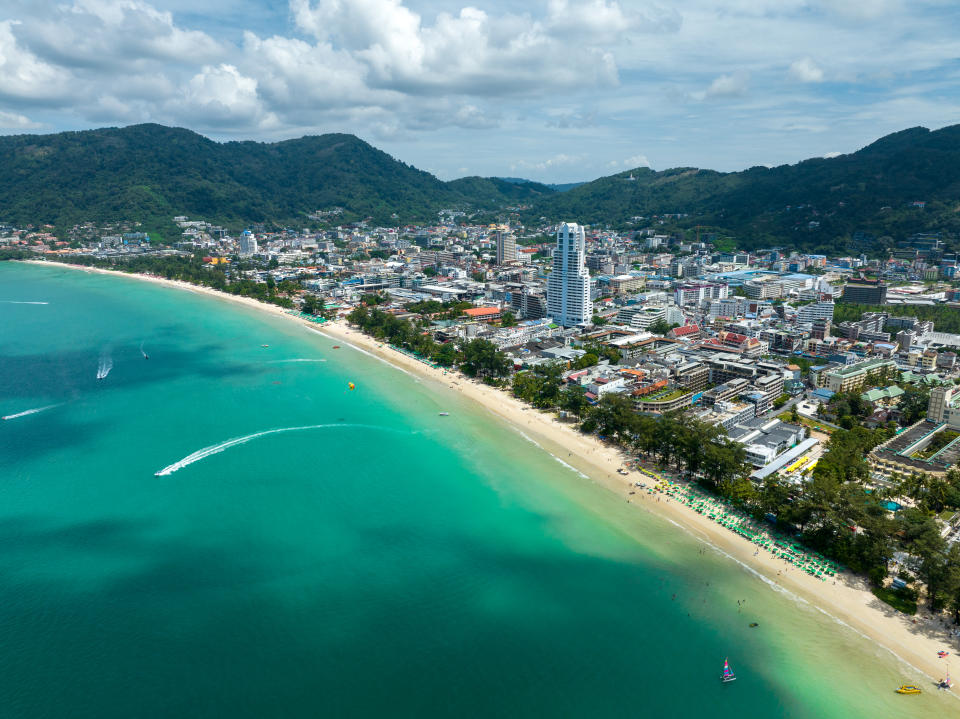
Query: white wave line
[
  {"x": 362, "y": 351},
  {"x": 30, "y": 411},
  {"x": 535, "y": 443},
  {"x": 22, "y": 302},
  {"x": 299, "y": 359},
  {"x": 777, "y": 587},
  {"x": 217, "y": 448},
  {"x": 756, "y": 573}
]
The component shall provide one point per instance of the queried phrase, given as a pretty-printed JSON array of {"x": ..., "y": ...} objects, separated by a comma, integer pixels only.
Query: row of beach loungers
[{"x": 724, "y": 513}]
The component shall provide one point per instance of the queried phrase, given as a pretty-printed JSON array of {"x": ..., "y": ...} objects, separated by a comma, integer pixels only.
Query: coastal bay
[{"x": 581, "y": 598}]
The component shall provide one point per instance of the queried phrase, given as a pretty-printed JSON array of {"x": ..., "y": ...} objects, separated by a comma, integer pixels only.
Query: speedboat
[
  {"x": 908, "y": 689},
  {"x": 444, "y": 414}
]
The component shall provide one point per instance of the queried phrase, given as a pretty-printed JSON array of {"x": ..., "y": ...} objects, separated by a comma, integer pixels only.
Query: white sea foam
[
  {"x": 298, "y": 359},
  {"x": 780, "y": 589},
  {"x": 363, "y": 351},
  {"x": 223, "y": 446},
  {"x": 535, "y": 443},
  {"x": 30, "y": 411},
  {"x": 22, "y": 302}
]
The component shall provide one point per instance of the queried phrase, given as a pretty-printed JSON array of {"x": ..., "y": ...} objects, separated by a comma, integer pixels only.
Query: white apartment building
[
  {"x": 568, "y": 287},
  {"x": 763, "y": 288},
  {"x": 247, "y": 244},
  {"x": 506, "y": 248},
  {"x": 815, "y": 311},
  {"x": 641, "y": 317},
  {"x": 729, "y": 307},
  {"x": 697, "y": 292}
]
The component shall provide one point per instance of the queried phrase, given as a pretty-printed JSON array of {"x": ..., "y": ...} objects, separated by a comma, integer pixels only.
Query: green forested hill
[
  {"x": 815, "y": 203},
  {"x": 151, "y": 172}
]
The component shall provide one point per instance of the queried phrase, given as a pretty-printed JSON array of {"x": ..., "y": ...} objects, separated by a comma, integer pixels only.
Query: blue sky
[{"x": 557, "y": 91}]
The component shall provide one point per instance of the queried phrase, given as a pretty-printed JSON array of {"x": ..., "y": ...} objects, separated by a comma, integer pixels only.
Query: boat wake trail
[
  {"x": 30, "y": 411},
  {"x": 105, "y": 364},
  {"x": 22, "y": 302},
  {"x": 145, "y": 355},
  {"x": 223, "y": 446}
]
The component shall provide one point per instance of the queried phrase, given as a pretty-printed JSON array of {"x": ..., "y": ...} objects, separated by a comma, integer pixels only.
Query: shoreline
[{"x": 849, "y": 601}]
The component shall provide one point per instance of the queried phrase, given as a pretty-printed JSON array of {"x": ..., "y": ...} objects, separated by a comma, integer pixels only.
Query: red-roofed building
[
  {"x": 738, "y": 342},
  {"x": 687, "y": 332},
  {"x": 483, "y": 314}
]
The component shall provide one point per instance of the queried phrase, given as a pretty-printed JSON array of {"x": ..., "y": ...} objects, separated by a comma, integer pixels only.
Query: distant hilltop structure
[{"x": 568, "y": 288}]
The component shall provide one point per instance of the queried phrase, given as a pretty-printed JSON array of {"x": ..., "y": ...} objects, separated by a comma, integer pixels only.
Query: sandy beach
[{"x": 848, "y": 600}]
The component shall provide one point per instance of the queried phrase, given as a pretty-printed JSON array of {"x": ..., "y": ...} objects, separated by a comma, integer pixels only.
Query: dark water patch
[
  {"x": 209, "y": 631},
  {"x": 72, "y": 374},
  {"x": 27, "y": 439}
]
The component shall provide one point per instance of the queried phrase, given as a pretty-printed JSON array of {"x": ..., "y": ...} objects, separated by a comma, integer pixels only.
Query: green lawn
[
  {"x": 899, "y": 599},
  {"x": 666, "y": 396},
  {"x": 806, "y": 422}
]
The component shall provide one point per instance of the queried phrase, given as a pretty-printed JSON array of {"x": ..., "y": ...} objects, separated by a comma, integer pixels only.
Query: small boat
[
  {"x": 754, "y": 624},
  {"x": 622, "y": 471},
  {"x": 908, "y": 689},
  {"x": 444, "y": 414},
  {"x": 264, "y": 345},
  {"x": 728, "y": 675},
  {"x": 336, "y": 347}
]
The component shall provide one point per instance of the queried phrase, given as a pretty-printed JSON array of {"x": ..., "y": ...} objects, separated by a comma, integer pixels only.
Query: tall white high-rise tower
[
  {"x": 248, "y": 244},
  {"x": 568, "y": 287},
  {"x": 506, "y": 248}
]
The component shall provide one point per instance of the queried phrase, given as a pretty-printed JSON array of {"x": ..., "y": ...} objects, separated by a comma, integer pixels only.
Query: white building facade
[
  {"x": 247, "y": 244},
  {"x": 506, "y": 248},
  {"x": 568, "y": 287},
  {"x": 815, "y": 311}
]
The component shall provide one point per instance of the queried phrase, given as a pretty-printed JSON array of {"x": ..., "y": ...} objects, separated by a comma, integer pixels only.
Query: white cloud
[
  {"x": 733, "y": 85},
  {"x": 16, "y": 121},
  {"x": 629, "y": 163},
  {"x": 223, "y": 96},
  {"x": 114, "y": 34},
  {"x": 580, "y": 79},
  {"x": 637, "y": 161},
  {"x": 470, "y": 52},
  {"x": 23, "y": 75},
  {"x": 559, "y": 160},
  {"x": 805, "y": 70},
  {"x": 600, "y": 20}
]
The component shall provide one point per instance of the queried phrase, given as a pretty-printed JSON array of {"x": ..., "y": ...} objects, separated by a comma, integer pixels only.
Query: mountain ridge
[
  {"x": 157, "y": 172},
  {"x": 153, "y": 172}
]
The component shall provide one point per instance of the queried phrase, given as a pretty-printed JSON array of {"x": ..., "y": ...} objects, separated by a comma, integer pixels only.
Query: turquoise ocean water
[{"x": 371, "y": 559}]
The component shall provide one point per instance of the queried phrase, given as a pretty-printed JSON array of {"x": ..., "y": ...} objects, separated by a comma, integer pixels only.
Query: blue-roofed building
[{"x": 822, "y": 394}]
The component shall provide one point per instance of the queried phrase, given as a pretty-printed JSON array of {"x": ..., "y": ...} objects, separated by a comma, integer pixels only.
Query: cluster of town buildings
[{"x": 720, "y": 334}]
